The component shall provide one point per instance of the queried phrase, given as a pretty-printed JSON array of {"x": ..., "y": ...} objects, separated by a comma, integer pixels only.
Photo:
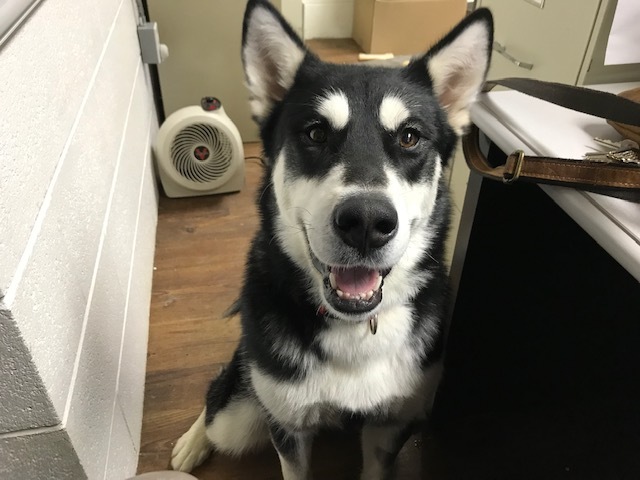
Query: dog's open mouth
[
  {"x": 351, "y": 290},
  {"x": 357, "y": 283},
  {"x": 354, "y": 289}
]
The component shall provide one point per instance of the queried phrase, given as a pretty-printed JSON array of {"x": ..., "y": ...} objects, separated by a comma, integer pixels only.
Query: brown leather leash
[{"x": 612, "y": 175}]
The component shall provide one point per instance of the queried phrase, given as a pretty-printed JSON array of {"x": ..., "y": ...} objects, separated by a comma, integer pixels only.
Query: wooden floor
[{"x": 200, "y": 251}]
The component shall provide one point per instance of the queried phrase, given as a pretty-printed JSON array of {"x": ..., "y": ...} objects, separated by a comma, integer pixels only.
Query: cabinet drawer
[{"x": 553, "y": 39}]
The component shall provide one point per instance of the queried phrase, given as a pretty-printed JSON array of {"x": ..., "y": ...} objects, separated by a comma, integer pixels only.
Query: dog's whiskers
[
  {"x": 264, "y": 190},
  {"x": 305, "y": 210},
  {"x": 273, "y": 237}
]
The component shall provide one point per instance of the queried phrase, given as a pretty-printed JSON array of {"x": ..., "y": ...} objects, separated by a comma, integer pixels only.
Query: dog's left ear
[
  {"x": 271, "y": 55},
  {"x": 458, "y": 65}
]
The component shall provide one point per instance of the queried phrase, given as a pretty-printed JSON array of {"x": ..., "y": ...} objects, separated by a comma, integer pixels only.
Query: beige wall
[{"x": 204, "y": 56}]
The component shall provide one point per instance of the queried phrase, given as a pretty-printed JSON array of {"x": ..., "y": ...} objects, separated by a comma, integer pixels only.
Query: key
[
  {"x": 622, "y": 155},
  {"x": 610, "y": 144},
  {"x": 629, "y": 155},
  {"x": 624, "y": 151},
  {"x": 600, "y": 157},
  {"x": 616, "y": 145}
]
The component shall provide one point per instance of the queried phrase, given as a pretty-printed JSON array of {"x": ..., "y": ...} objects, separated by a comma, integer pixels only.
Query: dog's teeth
[
  {"x": 378, "y": 283},
  {"x": 368, "y": 295},
  {"x": 340, "y": 293},
  {"x": 332, "y": 281}
]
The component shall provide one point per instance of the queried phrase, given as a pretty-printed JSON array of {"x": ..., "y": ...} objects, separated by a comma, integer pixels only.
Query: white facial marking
[
  {"x": 393, "y": 112},
  {"x": 334, "y": 106},
  {"x": 303, "y": 228},
  {"x": 415, "y": 204},
  {"x": 300, "y": 213}
]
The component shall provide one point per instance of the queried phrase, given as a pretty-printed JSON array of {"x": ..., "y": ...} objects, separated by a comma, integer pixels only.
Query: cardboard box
[{"x": 404, "y": 27}]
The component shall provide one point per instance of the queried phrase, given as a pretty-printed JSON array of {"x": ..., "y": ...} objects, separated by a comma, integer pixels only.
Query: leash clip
[{"x": 516, "y": 170}]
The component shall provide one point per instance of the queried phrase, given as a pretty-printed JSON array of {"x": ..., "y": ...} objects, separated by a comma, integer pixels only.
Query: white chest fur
[{"x": 364, "y": 373}]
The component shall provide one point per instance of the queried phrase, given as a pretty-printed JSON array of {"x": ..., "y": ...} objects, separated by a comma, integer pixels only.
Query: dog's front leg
[
  {"x": 381, "y": 442},
  {"x": 294, "y": 450},
  {"x": 380, "y": 447}
]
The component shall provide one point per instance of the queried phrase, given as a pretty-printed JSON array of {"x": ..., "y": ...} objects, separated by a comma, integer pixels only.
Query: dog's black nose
[{"x": 366, "y": 221}]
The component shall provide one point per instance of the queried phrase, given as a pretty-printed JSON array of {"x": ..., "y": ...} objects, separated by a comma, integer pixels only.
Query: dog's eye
[
  {"x": 409, "y": 137},
  {"x": 317, "y": 134}
]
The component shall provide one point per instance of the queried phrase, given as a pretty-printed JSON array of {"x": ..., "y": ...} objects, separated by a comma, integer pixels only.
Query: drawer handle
[{"x": 502, "y": 50}]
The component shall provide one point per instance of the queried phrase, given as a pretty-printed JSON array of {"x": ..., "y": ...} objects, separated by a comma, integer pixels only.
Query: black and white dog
[{"x": 345, "y": 289}]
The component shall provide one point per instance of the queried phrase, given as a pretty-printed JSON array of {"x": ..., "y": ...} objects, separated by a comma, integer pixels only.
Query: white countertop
[{"x": 517, "y": 121}]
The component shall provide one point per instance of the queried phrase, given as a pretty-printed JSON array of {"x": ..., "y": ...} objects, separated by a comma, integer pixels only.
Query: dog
[{"x": 345, "y": 291}]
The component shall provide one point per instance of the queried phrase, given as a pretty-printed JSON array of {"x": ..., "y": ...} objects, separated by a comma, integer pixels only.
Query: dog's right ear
[{"x": 271, "y": 55}]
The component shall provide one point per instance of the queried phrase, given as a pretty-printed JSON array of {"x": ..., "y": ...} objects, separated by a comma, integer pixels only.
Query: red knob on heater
[{"x": 210, "y": 103}]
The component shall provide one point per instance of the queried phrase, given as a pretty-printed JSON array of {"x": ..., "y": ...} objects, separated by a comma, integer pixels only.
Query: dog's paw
[
  {"x": 192, "y": 448},
  {"x": 189, "y": 452}
]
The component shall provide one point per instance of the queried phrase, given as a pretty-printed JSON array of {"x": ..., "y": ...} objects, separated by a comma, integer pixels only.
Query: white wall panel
[
  {"x": 59, "y": 278},
  {"x": 46, "y": 69},
  {"x": 78, "y": 211}
]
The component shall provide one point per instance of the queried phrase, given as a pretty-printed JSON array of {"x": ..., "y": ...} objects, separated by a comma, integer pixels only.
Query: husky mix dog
[{"x": 345, "y": 290}]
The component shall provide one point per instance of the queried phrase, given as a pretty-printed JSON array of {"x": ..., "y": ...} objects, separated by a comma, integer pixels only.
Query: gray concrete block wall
[
  {"x": 29, "y": 456},
  {"x": 78, "y": 212},
  {"x": 24, "y": 403}
]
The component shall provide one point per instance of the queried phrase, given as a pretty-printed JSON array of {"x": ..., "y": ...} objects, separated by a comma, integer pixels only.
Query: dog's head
[{"x": 356, "y": 155}]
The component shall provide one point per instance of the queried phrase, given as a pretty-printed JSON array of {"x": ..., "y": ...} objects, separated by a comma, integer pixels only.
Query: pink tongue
[{"x": 355, "y": 280}]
